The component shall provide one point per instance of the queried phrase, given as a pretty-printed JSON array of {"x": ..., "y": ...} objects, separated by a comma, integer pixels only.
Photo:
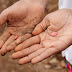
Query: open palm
[
  {"x": 21, "y": 18},
  {"x": 45, "y": 45}
]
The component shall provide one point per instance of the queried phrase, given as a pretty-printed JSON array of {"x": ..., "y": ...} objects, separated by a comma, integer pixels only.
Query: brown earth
[{"x": 52, "y": 64}]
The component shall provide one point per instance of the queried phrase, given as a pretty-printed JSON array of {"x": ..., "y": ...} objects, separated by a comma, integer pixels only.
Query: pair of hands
[{"x": 36, "y": 44}]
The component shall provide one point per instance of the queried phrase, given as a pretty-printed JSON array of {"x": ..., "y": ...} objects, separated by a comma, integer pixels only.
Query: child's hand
[
  {"x": 44, "y": 45},
  {"x": 21, "y": 18}
]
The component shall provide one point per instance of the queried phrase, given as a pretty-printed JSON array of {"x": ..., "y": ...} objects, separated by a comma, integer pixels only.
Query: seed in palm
[{"x": 54, "y": 34}]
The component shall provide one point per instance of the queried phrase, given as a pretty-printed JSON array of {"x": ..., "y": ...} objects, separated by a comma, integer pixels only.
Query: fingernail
[{"x": 3, "y": 54}]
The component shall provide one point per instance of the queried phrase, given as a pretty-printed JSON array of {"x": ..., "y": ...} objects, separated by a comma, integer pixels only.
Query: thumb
[
  {"x": 41, "y": 26},
  {"x": 3, "y": 17}
]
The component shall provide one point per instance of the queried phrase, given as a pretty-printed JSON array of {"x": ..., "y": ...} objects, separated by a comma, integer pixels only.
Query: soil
[{"x": 52, "y": 64}]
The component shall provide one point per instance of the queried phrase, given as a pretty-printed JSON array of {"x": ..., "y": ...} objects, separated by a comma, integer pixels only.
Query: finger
[
  {"x": 44, "y": 55},
  {"x": 57, "y": 46},
  {"x": 31, "y": 56},
  {"x": 41, "y": 27},
  {"x": 4, "y": 37},
  {"x": 26, "y": 51},
  {"x": 28, "y": 42},
  {"x": 4, "y": 48},
  {"x": 3, "y": 17},
  {"x": 18, "y": 41}
]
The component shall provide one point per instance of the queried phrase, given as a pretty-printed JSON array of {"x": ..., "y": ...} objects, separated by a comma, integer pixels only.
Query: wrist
[{"x": 42, "y": 2}]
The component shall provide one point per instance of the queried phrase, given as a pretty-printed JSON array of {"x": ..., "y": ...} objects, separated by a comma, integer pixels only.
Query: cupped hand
[
  {"x": 21, "y": 18},
  {"x": 40, "y": 47}
]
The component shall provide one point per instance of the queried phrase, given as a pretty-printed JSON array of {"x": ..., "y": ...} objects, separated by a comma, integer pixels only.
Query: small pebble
[
  {"x": 54, "y": 34},
  {"x": 16, "y": 37}
]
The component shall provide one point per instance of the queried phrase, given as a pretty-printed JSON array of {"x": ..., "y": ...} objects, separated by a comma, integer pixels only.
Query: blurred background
[{"x": 53, "y": 64}]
